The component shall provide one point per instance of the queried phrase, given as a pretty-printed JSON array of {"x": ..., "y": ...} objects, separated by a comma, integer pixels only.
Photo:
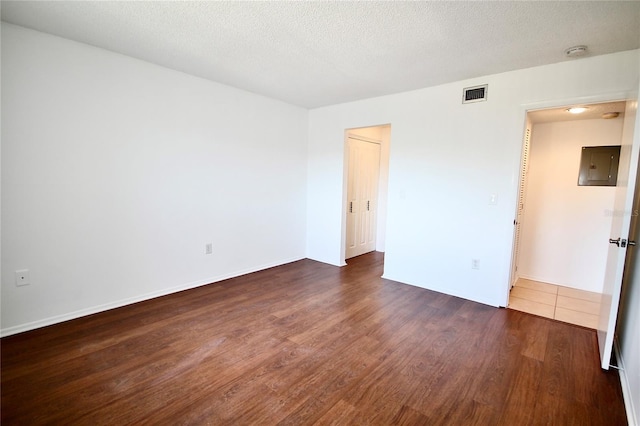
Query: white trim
[
  {"x": 326, "y": 262},
  {"x": 446, "y": 291},
  {"x": 626, "y": 388},
  {"x": 343, "y": 211},
  {"x": 124, "y": 302},
  {"x": 592, "y": 99}
]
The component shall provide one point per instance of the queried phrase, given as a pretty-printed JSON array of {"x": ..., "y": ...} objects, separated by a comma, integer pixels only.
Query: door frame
[
  {"x": 515, "y": 246},
  {"x": 516, "y": 163},
  {"x": 382, "y": 186}
]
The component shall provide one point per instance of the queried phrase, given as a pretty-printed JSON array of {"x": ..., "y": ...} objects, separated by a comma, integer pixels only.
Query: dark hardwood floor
[{"x": 309, "y": 343}]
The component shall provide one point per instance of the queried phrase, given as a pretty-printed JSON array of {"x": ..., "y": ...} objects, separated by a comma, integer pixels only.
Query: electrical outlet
[
  {"x": 208, "y": 248},
  {"x": 22, "y": 277},
  {"x": 493, "y": 200},
  {"x": 475, "y": 263}
]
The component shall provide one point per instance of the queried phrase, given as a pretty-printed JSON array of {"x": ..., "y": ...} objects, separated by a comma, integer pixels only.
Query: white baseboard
[
  {"x": 626, "y": 388},
  {"x": 123, "y": 302},
  {"x": 444, "y": 291}
]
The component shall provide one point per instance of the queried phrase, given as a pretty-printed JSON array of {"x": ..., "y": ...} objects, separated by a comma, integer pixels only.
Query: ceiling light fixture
[
  {"x": 609, "y": 115},
  {"x": 575, "y": 51},
  {"x": 577, "y": 110}
]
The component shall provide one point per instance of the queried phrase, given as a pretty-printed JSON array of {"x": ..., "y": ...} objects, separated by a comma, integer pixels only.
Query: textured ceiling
[
  {"x": 320, "y": 53},
  {"x": 594, "y": 111}
]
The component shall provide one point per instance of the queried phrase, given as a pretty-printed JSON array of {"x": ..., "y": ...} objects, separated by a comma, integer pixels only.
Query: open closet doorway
[{"x": 365, "y": 188}]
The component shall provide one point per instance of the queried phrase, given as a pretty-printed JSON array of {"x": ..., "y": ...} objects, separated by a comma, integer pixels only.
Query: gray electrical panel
[{"x": 599, "y": 166}]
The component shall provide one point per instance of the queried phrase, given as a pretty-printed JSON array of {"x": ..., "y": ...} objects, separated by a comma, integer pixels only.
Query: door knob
[{"x": 616, "y": 241}]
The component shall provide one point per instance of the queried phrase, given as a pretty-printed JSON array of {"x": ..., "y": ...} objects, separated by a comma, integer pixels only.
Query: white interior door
[
  {"x": 362, "y": 196},
  {"x": 622, "y": 212}
]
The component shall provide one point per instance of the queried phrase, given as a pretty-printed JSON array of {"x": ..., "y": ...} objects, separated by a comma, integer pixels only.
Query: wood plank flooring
[{"x": 308, "y": 343}]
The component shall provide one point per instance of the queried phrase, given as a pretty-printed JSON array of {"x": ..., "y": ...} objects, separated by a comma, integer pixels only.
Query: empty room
[{"x": 258, "y": 213}]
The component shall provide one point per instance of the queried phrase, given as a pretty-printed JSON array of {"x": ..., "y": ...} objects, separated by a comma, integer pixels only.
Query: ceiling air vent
[{"x": 474, "y": 94}]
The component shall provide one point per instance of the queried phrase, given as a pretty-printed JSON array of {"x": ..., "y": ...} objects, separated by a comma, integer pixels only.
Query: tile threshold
[{"x": 551, "y": 301}]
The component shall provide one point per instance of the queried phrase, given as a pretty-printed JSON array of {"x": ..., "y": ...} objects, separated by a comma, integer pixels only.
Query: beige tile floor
[{"x": 552, "y": 301}]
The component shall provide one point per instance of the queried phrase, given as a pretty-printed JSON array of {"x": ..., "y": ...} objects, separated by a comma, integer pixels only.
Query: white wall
[
  {"x": 446, "y": 160},
  {"x": 565, "y": 225},
  {"x": 117, "y": 172},
  {"x": 381, "y": 134}
]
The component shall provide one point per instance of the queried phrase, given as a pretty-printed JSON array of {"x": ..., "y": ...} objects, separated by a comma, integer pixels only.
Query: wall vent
[{"x": 474, "y": 94}]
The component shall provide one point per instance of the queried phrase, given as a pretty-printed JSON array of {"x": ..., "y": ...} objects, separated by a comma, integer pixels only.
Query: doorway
[
  {"x": 553, "y": 211},
  {"x": 572, "y": 248},
  {"x": 365, "y": 189},
  {"x": 559, "y": 258}
]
